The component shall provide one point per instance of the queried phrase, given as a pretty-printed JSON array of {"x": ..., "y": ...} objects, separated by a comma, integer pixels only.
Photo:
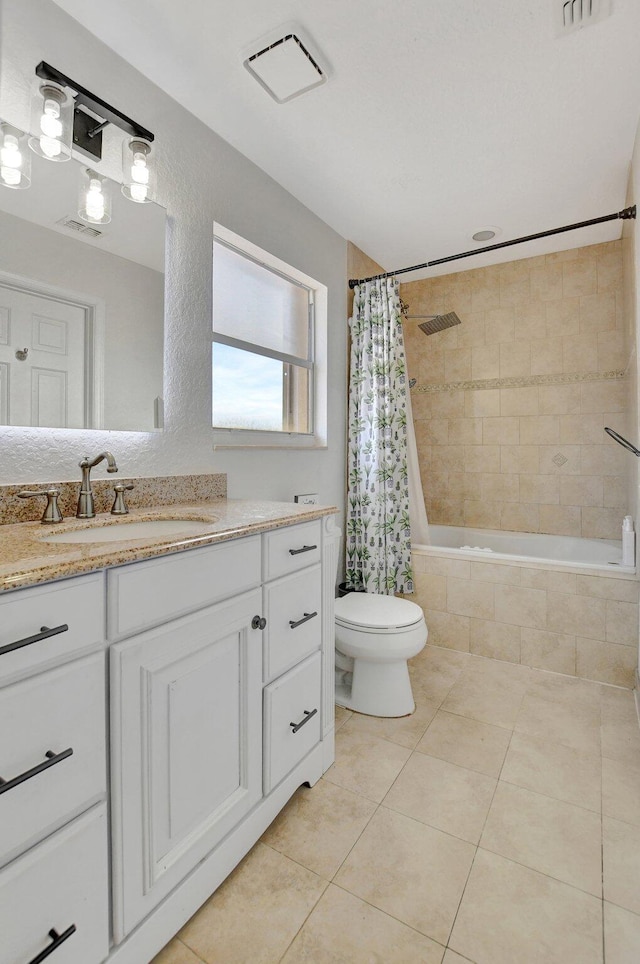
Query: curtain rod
[{"x": 624, "y": 215}]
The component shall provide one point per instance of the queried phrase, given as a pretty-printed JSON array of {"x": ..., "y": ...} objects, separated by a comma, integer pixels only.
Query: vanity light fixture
[
  {"x": 137, "y": 170},
  {"x": 95, "y": 197},
  {"x": 15, "y": 159},
  {"x": 52, "y": 120}
]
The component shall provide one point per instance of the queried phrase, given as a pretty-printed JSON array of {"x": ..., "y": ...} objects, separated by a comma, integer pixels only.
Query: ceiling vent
[
  {"x": 572, "y": 15},
  {"x": 285, "y": 68},
  {"x": 74, "y": 225}
]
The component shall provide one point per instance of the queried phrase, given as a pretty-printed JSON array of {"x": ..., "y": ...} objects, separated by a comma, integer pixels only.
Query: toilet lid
[{"x": 375, "y": 611}]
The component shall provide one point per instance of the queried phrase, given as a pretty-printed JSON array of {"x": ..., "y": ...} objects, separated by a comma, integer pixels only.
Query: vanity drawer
[
  {"x": 293, "y": 609},
  {"x": 289, "y": 549},
  {"x": 289, "y": 702},
  {"x": 53, "y": 712},
  {"x": 149, "y": 593},
  {"x": 60, "y": 884},
  {"x": 77, "y": 604}
]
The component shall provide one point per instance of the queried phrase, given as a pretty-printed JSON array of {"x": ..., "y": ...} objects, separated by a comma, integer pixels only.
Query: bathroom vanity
[{"x": 155, "y": 716}]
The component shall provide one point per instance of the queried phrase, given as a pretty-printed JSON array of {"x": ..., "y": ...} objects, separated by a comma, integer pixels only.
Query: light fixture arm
[{"x": 87, "y": 129}]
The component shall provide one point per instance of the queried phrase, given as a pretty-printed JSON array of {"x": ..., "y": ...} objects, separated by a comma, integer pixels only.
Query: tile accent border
[{"x": 523, "y": 381}]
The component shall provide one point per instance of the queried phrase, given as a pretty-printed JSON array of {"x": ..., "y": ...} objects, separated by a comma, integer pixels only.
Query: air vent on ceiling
[
  {"x": 285, "y": 68},
  {"x": 572, "y": 15},
  {"x": 74, "y": 225}
]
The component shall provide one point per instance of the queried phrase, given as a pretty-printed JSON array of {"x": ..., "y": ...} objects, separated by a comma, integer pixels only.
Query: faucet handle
[
  {"x": 119, "y": 505},
  {"x": 52, "y": 511}
]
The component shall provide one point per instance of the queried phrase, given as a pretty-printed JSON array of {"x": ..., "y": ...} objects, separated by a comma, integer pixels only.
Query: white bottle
[{"x": 628, "y": 542}]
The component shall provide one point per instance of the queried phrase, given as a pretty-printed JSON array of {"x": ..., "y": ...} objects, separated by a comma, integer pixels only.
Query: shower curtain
[{"x": 378, "y": 543}]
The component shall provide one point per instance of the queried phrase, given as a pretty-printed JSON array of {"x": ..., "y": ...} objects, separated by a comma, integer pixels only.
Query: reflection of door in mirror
[{"x": 42, "y": 355}]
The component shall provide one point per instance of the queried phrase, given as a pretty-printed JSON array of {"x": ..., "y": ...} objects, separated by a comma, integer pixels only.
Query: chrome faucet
[{"x": 86, "y": 508}]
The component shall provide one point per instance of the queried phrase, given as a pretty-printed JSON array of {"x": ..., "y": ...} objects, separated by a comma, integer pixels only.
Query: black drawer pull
[
  {"x": 57, "y": 939},
  {"x": 307, "y": 716},
  {"x": 44, "y": 633},
  {"x": 305, "y": 619},
  {"x": 52, "y": 759},
  {"x": 296, "y": 552}
]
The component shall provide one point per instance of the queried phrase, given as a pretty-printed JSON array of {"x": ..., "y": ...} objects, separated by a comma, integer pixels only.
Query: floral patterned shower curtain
[{"x": 378, "y": 543}]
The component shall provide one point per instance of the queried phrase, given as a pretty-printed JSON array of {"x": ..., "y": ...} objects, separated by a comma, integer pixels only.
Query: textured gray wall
[{"x": 201, "y": 178}]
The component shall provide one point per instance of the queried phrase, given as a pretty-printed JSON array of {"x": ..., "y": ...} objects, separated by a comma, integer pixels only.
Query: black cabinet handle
[
  {"x": 52, "y": 759},
  {"x": 258, "y": 622},
  {"x": 305, "y": 619},
  {"x": 307, "y": 716},
  {"x": 44, "y": 633},
  {"x": 57, "y": 940},
  {"x": 296, "y": 552}
]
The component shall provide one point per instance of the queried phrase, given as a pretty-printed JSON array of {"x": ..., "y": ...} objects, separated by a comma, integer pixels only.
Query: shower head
[{"x": 436, "y": 323}]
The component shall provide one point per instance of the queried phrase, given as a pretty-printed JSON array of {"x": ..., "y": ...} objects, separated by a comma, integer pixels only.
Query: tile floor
[{"x": 500, "y": 824}]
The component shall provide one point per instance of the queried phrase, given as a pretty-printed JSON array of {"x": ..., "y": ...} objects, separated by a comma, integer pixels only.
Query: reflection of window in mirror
[
  {"x": 269, "y": 348},
  {"x": 87, "y": 302}
]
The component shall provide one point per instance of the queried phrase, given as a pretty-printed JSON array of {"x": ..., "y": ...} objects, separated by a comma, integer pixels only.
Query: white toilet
[{"x": 375, "y": 636}]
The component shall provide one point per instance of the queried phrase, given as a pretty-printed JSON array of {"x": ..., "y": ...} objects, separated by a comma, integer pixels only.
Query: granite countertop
[{"x": 27, "y": 561}]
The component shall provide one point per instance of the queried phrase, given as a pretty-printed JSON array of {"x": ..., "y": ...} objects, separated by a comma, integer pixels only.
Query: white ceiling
[{"x": 439, "y": 117}]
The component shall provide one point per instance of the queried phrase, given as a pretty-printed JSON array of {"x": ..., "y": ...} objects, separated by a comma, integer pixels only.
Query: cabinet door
[{"x": 186, "y": 747}]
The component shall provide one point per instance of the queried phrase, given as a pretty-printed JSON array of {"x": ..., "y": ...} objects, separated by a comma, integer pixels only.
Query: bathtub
[{"x": 493, "y": 544}]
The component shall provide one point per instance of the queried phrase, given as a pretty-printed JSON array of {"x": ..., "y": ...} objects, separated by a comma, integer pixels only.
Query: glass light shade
[
  {"x": 51, "y": 122},
  {"x": 95, "y": 197},
  {"x": 138, "y": 171},
  {"x": 15, "y": 158}
]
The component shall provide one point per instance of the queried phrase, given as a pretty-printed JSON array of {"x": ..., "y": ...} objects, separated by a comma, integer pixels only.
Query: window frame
[{"x": 315, "y": 363}]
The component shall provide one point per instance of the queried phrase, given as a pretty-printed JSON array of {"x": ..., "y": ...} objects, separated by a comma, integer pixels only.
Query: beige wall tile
[
  {"x": 503, "y": 430},
  {"x": 581, "y": 490},
  {"x": 533, "y": 578},
  {"x": 626, "y": 590},
  {"x": 465, "y": 431},
  {"x": 515, "y": 292},
  {"x": 598, "y": 312},
  {"x": 562, "y": 317},
  {"x": 519, "y": 401},
  {"x": 432, "y": 431},
  {"x": 447, "y": 458},
  {"x": 580, "y": 353},
  {"x": 517, "y": 517},
  {"x": 519, "y": 459},
  {"x": 559, "y": 399},
  {"x": 586, "y": 429},
  {"x": 579, "y": 278},
  {"x": 613, "y": 351},
  {"x": 447, "y": 404},
  {"x": 521, "y": 607},
  {"x": 430, "y": 367},
  {"x": 482, "y": 458},
  {"x": 430, "y": 591},
  {"x": 496, "y": 640},
  {"x": 572, "y": 465},
  {"x": 622, "y": 623},
  {"x": 482, "y": 515},
  {"x": 466, "y": 597},
  {"x": 601, "y": 523},
  {"x": 471, "y": 332},
  {"x": 606, "y": 662},
  {"x": 546, "y": 282},
  {"x": 499, "y": 325},
  {"x": 485, "y": 402},
  {"x": 609, "y": 271},
  {"x": 530, "y": 320},
  {"x": 551, "y": 651},
  {"x": 604, "y": 396},
  {"x": 500, "y": 488},
  {"x": 447, "y": 629},
  {"x": 546, "y": 356},
  {"x": 457, "y": 364},
  {"x": 485, "y": 361},
  {"x": 603, "y": 459},
  {"x": 560, "y": 520},
  {"x": 484, "y": 295},
  {"x": 443, "y": 566},
  {"x": 515, "y": 359},
  {"x": 576, "y": 615},
  {"x": 539, "y": 429},
  {"x": 445, "y": 512},
  {"x": 540, "y": 489},
  {"x": 615, "y": 492},
  {"x": 496, "y": 572}
]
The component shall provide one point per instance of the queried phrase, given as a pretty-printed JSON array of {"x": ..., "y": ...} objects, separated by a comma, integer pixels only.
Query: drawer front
[
  {"x": 289, "y": 549},
  {"x": 60, "y": 884},
  {"x": 291, "y": 700},
  {"x": 51, "y": 713},
  {"x": 293, "y": 609},
  {"x": 150, "y": 593},
  {"x": 76, "y": 603}
]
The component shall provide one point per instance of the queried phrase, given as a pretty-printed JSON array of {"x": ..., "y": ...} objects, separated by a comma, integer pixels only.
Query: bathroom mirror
[{"x": 81, "y": 308}]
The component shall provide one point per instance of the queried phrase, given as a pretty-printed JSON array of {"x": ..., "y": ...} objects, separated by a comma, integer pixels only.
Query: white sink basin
[{"x": 123, "y": 532}]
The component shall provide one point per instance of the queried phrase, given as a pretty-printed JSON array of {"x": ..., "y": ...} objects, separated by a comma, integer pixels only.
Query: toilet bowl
[{"x": 375, "y": 636}]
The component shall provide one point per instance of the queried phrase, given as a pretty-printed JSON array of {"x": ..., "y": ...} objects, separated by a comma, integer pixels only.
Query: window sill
[{"x": 230, "y": 439}]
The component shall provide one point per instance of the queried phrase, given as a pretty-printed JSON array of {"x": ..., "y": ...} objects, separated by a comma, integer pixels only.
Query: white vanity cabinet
[{"x": 220, "y": 704}]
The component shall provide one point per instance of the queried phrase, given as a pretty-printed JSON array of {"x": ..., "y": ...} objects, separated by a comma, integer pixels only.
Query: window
[{"x": 265, "y": 334}]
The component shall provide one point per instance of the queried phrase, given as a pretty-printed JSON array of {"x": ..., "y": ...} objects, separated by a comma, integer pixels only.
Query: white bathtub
[{"x": 493, "y": 544}]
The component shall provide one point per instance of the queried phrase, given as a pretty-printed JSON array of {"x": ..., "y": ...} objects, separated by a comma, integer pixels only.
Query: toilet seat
[{"x": 375, "y": 613}]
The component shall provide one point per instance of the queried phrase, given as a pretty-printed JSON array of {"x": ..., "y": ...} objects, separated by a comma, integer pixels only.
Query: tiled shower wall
[{"x": 510, "y": 406}]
